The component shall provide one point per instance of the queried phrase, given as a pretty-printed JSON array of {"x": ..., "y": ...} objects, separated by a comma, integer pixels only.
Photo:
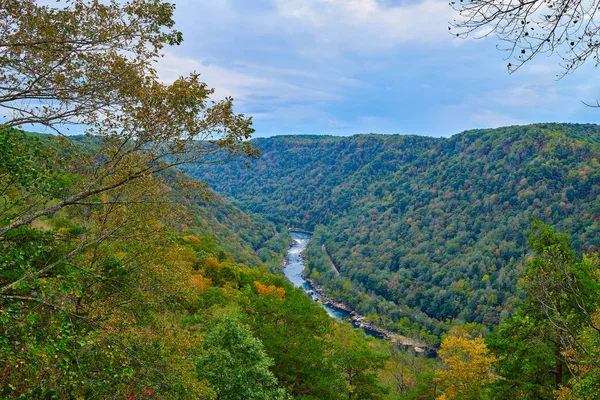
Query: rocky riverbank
[
  {"x": 359, "y": 320},
  {"x": 294, "y": 267}
]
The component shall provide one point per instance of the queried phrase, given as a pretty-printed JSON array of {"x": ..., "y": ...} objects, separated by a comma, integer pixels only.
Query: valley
[
  {"x": 295, "y": 268},
  {"x": 429, "y": 241},
  {"x": 431, "y": 229}
]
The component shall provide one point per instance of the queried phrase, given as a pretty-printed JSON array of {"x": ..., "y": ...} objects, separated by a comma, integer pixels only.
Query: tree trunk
[{"x": 559, "y": 365}]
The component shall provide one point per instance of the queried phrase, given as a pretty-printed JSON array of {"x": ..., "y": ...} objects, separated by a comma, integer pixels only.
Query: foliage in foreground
[
  {"x": 150, "y": 310},
  {"x": 549, "y": 348}
]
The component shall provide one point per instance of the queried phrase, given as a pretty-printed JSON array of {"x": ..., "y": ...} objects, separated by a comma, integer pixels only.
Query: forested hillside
[
  {"x": 154, "y": 292},
  {"x": 252, "y": 239},
  {"x": 437, "y": 226},
  {"x": 132, "y": 299}
]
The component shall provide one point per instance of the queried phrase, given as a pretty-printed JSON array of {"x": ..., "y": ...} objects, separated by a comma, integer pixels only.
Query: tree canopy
[{"x": 91, "y": 64}]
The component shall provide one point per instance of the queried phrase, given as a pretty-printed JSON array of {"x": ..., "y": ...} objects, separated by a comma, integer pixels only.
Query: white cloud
[
  {"x": 243, "y": 82},
  {"x": 226, "y": 82},
  {"x": 348, "y": 66},
  {"x": 369, "y": 25}
]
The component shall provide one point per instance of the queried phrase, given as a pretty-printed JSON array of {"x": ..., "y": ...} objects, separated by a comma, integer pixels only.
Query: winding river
[{"x": 294, "y": 266}]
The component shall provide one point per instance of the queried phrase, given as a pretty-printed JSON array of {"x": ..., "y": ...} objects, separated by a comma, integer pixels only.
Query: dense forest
[
  {"x": 175, "y": 292},
  {"x": 128, "y": 299},
  {"x": 427, "y": 228},
  {"x": 123, "y": 275}
]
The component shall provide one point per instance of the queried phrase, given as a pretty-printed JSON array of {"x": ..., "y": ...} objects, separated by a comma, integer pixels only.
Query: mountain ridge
[{"x": 433, "y": 225}]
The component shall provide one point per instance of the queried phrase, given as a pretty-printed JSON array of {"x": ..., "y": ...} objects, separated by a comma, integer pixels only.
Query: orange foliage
[
  {"x": 192, "y": 239},
  {"x": 211, "y": 263},
  {"x": 271, "y": 290},
  {"x": 199, "y": 282}
]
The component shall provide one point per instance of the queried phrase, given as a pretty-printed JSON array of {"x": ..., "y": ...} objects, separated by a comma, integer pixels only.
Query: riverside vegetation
[{"x": 121, "y": 277}]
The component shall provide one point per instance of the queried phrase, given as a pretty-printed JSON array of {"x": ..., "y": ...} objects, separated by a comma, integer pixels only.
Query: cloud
[
  {"x": 243, "y": 81},
  {"x": 369, "y": 25},
  {"x": 226, "y": 82},
  {"x": 279, "y": 99},
  {"x": 348, "y": 66}
]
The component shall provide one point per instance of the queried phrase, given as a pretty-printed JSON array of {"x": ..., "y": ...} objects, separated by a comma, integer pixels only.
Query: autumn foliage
[
  {"x": 468, "y": 366},
  {"x": 270, "y": 291}
]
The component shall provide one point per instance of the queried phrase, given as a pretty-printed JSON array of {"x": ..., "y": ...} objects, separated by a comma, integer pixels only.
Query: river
[
  {"x": 294, "y": 266},
  {"x": 293, "y": 269}
]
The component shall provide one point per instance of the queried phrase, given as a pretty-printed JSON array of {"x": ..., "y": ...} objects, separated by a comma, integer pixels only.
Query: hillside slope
[
  {"x": 250, "y": 238},
  {"x": 435, "y": 225},
  {"x": 133, "y": 293}
]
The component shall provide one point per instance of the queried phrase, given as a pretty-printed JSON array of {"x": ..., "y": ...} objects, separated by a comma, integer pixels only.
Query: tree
[
  {"x": 236, "y": 365},
  {"x": 359, "y": 363},
  {"x": 409, "y": 373},
  {"x": 468, "y": 368},
  {"x": 532, "y": 27},
  {"x": 295, "y": 335},
  {"x": 84, "y": 221},
  {"x": 91, "y": 64},
  {"x": 525, "y": 359},
  {"x": 546, "y": 344},
  {"x": 91, "y": 327},
  {"x": 562, "y": 290},
  {"x": 583, "y": 362}
]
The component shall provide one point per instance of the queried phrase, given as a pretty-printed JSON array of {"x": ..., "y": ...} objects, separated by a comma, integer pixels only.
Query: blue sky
[{"x": 358, "y": 66}]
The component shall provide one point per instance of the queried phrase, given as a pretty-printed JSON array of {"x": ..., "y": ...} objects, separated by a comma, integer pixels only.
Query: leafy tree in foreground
[
  {"x": 91, "y": 63},
  {"x": 525, "y": 359},
  {"x": 296, "y": 336},
  {"x": 91, "y": 281},
  {"x": 236, "y": 365},
  {"x": 468, "y": 368},
  {"x": 546, "y": 345},
  {"x": 359, "y": 363},
  {"x": 583, "y": 361},
  {"x": 563, "y": 290},
  {"x": 409, "y": 374}
]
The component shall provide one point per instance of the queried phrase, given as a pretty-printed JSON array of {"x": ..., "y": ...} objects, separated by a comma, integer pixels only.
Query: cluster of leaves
[{"x": 425, "y": 227}]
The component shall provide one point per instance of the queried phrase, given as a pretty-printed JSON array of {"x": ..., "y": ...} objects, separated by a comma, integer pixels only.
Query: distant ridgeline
[{"x": 427, "y": 228}]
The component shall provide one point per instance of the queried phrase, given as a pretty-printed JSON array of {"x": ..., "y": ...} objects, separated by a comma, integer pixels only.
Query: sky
[{"x": 343, "y": 67}]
